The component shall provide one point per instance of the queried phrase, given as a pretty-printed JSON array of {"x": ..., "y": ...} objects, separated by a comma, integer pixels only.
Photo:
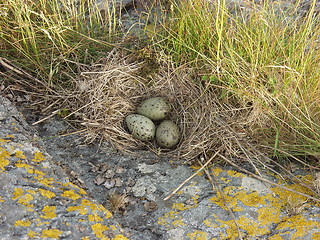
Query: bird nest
[{"x": 109, "y": 91}]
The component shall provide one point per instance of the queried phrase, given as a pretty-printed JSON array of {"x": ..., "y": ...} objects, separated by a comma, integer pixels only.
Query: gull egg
[
  {"x": 140, "y": 127},
  {"x": 155, "y": 108},
  {"x": 167, "y": 134}
]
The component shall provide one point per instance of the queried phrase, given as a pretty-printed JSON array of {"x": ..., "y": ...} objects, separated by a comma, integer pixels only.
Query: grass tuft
[
  {"x": 259, "y": 55},
  {"x": 48, "y": 37}
]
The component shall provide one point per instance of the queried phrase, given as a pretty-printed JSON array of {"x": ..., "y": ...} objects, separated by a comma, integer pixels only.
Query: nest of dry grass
[{"x": 109, "y": 91}]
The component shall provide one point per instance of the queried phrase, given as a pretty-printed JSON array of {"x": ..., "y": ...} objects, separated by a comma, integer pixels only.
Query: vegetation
[
  {"x": 50, "y": 37},
  {"x": 261, "y": 57}
]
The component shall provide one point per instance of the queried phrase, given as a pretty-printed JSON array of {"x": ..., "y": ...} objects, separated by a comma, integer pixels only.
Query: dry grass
[{"x": 109, "y": 91}]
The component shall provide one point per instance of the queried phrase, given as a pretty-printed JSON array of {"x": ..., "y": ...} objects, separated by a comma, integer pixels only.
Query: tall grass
[
  {"x": 48, "y": 36},
  {"x": 266, "y": 57}
]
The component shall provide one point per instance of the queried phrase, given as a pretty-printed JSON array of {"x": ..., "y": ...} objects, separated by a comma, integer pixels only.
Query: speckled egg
[
  {"x": 167, "y": 134},
  {"x": 140, "y": 127},
  {"x": 155, "y": 108}
]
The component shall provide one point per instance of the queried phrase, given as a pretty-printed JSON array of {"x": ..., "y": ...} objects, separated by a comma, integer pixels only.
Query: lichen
[
  {"x": 98, "y": 229},
  {"x": 49, "y": 212},
  {"x": 70, "y": 194},
  {"x": 22, "y": 223},
  {"x": 47, "y": 193},
  {"x": 51, "y": 233},
  {"x": 38, "y": 157},
  {"x": 197, "y": 235},
  {"x": 4, "y": 159}
]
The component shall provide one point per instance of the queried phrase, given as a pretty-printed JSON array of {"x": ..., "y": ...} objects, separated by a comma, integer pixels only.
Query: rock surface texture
[
  {"x": 54, "y": 187},
  {"x": 37, "y": 200}
]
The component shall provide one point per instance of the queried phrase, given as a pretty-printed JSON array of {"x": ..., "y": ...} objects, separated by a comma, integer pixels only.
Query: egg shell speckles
[
  {"x": 168, "y": 134},
  {"x": 155, "y": 108},
  {"x": 140, "y": 127}
]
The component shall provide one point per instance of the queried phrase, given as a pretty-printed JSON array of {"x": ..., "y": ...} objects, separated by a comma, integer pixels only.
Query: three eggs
[{"x": 141, "y": 125}]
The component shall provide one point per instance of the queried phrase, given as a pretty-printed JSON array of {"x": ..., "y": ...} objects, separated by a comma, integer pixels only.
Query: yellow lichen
[
  {"x": 4, "y": 156},
  {"x": 23, "y": 165},
  {"x": 96, "y": 207},
  {"x": 178, "y": 223},
  {"x": 171, "y": 215},
  {"x": 217, "y": 171},
  {"x": 85, "y": 238},
  {"x": 3, "y": 141},
  {"x": 51, "y": 233},
  {"x": 18, "y": 192},
  {"x": 22, "y": 223},
  {"x": 32, "y": 234},
  {"x": 20, "y": 154},
  {"x": 49, "y": 212},
  {"x": 38, "y": 157},
  {"x": 94, "y": 218},
  {"x": 182, "y": 206},
  {"x": 44, "y": 181},
  {"x": 299, "y": 224},
  {"x": 210, "y": 224},
  {"x": 120, "y": 237},
  {"x": 1, "y": 199},
  {"x": 70, "y": 194},
  {"x": 25, "y": 200},
  {"x": 235, "y": 174},
  {"x": 252, "y": 199},
  {"x": 47, "y": 193},
  {"x": 231, "y": 201},
  {"x": 197, "y": 235},
  {"x": 268, "y": 215},
  {"x": 98, "y": 230},
  {"x": 82, "y": 209}
]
